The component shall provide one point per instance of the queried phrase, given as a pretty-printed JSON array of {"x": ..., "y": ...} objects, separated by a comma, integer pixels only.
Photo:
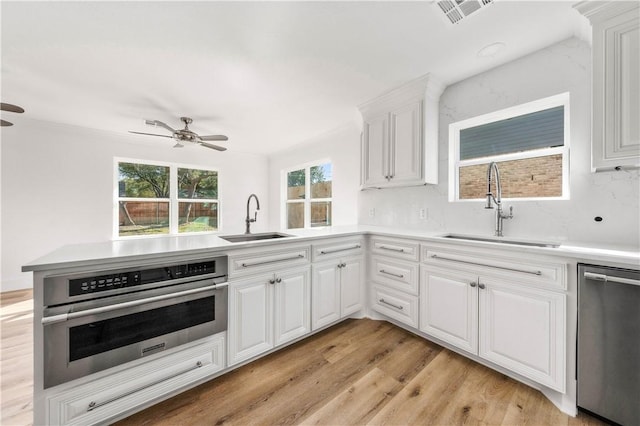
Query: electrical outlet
[
  {"x": 372, "y": 212},
  {"x": 423, "y": 214}
]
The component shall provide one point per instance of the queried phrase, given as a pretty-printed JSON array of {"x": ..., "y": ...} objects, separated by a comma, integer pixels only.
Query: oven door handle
[{"x": 71, "y": 315}]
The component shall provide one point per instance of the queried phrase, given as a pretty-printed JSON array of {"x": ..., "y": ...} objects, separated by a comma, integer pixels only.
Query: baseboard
[{"x": 21, "y": 283}]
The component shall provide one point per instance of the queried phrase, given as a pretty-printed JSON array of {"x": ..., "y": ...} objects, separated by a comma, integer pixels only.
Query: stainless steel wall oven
[{"x": 96, "y": 321}]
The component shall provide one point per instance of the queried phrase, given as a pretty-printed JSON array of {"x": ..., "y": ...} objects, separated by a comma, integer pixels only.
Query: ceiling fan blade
[
  {"x": 159, "y": 124},
  {"x": 5, "y": 123},
  {"x": 11, "y": 108},
  {"x": 150, "y": 134},
  {"x": 214, "y": 138},
  {"x": 216, "y": 147}
]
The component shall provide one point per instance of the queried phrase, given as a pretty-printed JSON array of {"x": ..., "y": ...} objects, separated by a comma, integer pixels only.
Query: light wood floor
[
  {"x": 357, "y": 372},
  {"x": 16, "y": 357}
]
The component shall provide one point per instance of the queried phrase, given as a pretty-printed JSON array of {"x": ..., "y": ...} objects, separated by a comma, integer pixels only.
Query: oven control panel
[{"x": 118, "y": 280}]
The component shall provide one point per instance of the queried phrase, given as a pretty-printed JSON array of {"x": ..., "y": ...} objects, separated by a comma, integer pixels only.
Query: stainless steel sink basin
[
  {"x": 502, "y": 241},
  {"x": 240, "y": 238}
]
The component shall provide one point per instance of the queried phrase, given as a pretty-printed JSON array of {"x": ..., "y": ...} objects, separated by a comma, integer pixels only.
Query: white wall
[
  {"x": 613, "y": 196},
  {"x": 342, "y": 147},
  {"x": 57, "y": 187}
]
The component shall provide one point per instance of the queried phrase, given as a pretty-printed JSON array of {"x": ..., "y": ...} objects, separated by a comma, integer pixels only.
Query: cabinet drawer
[
  {"x": 106, "y": 398},
  {"x": 527, "y": 270},
  {"x": 395, "y": 274},
  {"x": 335, "y": 248},
  {"x": 395, "y": 304},
  {"x": 258, "y": 261},
  {"x": 396, "y": 247}
]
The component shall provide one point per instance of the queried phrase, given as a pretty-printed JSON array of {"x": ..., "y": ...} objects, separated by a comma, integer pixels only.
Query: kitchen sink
[
  {"x": 240, "y": 238},
  {"x": 500, "y": 240}
]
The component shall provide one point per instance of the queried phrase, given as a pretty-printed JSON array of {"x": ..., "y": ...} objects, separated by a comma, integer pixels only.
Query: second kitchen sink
[{"x": 501, "y": 240}]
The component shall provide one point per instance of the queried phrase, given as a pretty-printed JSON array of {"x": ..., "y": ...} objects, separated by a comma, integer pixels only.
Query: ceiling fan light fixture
[
  {"x": 9, "y": 108},
  {"x": 185, "y": 135}
]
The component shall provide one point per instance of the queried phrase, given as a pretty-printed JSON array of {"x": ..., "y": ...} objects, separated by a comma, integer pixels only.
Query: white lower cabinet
[
  {"x": 114, "y": 395},
  {"x": 337, "y": 290},
  {"x": 523, "y": 329},
  {"x": 394, "y": 271},
  {"x": 266, "y": 311},
  {"x": 517, "y": 327},
  {"x": 449, "y": 307},
  {"x": 395, "y": 304}
]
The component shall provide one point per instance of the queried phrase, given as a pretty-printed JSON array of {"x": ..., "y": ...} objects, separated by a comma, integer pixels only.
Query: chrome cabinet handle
[
  {"x": 448, "y": 259},
  {"x": 272, "y": 281},
  {"x": 398, "y": 249},
  {"x": 391, "y": 304},
  {"x": 93, "y": 405},
  {"x": 264, "y": 262},
  {"x": 278, "y": 280},
  {"x": 357, "y": 246},
  {"x": 481, "y": 286},
  {"x": 382, "y": 271},
  {"x": 472, "y": 284}
]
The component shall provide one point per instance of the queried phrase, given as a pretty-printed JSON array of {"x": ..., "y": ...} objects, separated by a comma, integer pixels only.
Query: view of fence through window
[
  {"x": 309, "y": 196},
  {"x": 145, "y": 202}
]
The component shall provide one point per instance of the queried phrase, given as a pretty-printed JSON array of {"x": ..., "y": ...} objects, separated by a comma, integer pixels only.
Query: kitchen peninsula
[{"x": 282, "y": 290}]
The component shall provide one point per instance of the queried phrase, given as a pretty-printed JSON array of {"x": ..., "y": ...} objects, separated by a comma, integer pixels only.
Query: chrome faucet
[
  {"x": 248, "y": 219},
  {"x": 497, "y": 199}
]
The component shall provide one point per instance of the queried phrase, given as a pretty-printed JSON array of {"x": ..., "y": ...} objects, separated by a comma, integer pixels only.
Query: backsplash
[{"x": 611, "y": 196}]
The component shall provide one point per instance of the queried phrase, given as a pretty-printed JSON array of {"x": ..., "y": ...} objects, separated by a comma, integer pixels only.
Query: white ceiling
[{"x": 267, "y": 74}]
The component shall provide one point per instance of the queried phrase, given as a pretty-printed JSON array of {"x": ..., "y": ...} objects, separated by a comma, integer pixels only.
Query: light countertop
[{"x": 140, "y": 249}]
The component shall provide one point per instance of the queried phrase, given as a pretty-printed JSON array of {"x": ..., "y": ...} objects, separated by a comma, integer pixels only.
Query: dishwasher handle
[{"x": 608, "y": 278}]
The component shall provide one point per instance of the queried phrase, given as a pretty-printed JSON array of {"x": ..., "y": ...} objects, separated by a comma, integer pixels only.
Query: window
[
  {"x": 307, "y": 198},
  {"x": 165, "y": 199},
  {"x": 529, "y": 142}
]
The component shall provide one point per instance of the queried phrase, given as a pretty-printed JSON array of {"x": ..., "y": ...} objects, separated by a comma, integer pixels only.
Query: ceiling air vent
[{"x": 456, "y": 10}]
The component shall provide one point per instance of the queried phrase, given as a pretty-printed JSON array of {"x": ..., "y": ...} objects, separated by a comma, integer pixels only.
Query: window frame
[
  {"x": 455, "y": 163},
  {"x": 173, "y": 200},
  {"x": 307, "y": 191}
]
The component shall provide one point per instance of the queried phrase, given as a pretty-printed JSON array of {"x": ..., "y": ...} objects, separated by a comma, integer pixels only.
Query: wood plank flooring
[
  {"x": 357, "y": 372},
  {"x": 16, "y": 357}
]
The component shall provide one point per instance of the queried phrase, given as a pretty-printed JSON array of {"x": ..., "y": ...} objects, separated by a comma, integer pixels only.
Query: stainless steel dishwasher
[{"x": 609, "y": 343}]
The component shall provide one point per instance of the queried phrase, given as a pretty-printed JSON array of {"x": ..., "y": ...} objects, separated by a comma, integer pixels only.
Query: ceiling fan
[
  {"x": 185, "y": 135},
  {"x": 10, "y": 108}
]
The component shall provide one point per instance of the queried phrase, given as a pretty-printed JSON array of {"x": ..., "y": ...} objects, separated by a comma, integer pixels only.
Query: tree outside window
[{"x": 165, "y": 199}]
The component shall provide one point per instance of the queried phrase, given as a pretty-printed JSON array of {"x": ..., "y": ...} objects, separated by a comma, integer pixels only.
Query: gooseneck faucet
[
  {"x": 497, "y": 198},
  {"x": 248, "y": 219}
]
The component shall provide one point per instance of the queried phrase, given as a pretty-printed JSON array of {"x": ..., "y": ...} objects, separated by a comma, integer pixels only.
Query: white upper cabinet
[
  {"x": 615, "y": 139},
  {"x": 405, "y": 148},
  {"x": 375, "y": 152},
  {"x": 400, "y": 136}
]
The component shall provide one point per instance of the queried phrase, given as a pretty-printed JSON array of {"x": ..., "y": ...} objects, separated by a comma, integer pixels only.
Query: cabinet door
[
  {"x": 292, "y": 305},
  {"x": 250, "y": 329},
  {"x": 449, "y": 307},
  {"x": 375, "y": 151},
  {"x": 406, "y": 145},
  {"x": 325, "y": 294},
  {"x": 351, "y": 281},
  {"x": 616, "y": 99},
  {"x": 522, "y": 329}
]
